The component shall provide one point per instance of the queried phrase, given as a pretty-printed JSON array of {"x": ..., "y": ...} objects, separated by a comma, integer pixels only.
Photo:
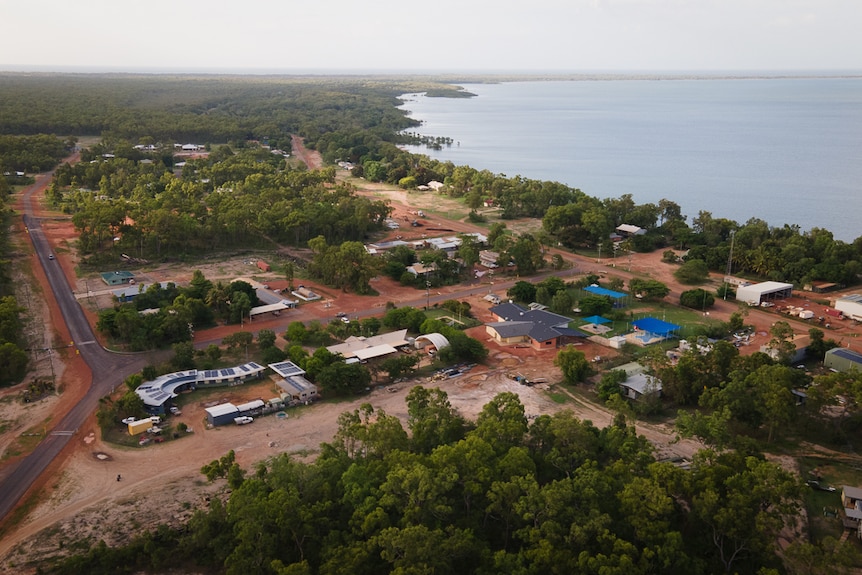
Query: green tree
[
  {"x": 573, "y": 364},
  {"x": 522, "y": 291},
  {"x": 693, "y": 271},
  {"x": 697, "y": 299},
  {"x": 432, "y": 419}
]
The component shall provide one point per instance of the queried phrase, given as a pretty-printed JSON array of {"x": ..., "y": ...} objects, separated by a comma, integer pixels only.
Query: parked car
[{"x": 243, "y": 420}]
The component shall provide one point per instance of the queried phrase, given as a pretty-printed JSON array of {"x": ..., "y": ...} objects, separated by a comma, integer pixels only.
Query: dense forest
[{"x": 506, "y": 494}]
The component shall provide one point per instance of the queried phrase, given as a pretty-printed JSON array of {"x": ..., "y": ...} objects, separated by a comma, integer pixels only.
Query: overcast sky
[{"x": 434, "y": 35}]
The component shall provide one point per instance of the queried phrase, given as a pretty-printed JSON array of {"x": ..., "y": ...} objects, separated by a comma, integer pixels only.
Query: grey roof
[
  {"x": 545, "y": 325},
  {"x": 512, "y": 328},
  {"x": 847, "y": 354},
  {"x": 642, "y": 383}
]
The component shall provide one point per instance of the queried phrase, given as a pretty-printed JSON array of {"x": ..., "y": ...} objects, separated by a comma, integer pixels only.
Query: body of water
[{"x": 787, "y": 151}]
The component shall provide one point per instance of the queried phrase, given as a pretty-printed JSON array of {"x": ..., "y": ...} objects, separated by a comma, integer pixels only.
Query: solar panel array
[{"x": 286, "y": 368}]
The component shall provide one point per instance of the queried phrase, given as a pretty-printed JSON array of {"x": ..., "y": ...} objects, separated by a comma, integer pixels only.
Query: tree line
[{"x": 507, "y": 493}]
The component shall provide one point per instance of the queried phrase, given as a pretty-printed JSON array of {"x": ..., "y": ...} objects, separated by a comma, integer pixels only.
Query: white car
[{"x": 243, "y": 420}]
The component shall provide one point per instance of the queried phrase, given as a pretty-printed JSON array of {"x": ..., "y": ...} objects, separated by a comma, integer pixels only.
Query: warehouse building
[
  {"x": 843, "y": 359},
  {"x": 221, "y": 414},
  {"x": 756, "y": 294},
  {"x": 850, "y": 306}
]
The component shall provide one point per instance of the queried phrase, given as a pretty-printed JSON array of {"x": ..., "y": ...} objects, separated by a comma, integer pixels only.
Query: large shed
[
  {"x": 850, "y": 306},
  {"x": 755, "y": 294},
  {"x": 843, "y": 359},
  {"x": 221, "y": 414}
]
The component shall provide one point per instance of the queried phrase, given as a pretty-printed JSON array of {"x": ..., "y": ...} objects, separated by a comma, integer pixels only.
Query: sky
[{"x": 409, "y": 36}]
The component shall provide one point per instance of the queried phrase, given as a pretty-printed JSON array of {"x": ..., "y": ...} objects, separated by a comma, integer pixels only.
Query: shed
[
  {"x": 850, "y": 306},
  {"x": 221, "y": 414},
  {"x": 140, "y": 426},
  {"x": 755, "y": 294},
  {"x": 263, "y": 266},
  {"x": 843, "y": 359},
  {"x": 251, "y": 408}
]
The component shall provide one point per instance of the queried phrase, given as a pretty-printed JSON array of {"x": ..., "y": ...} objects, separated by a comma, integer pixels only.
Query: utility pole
[
  {"x": 427, "y": 295},
  {"x": 600, "y": 253},
  {"x": 729, "y": 269}
]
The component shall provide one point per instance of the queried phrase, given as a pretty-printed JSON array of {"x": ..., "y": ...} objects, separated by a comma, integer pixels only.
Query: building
[
  {"x": 221, "y": 414},
  {"x": 851, "y": 502},
  {"x": 420, "y": 269},
  {"x": 158, "y": 393},
  {"x": 365, "y": 348},
  {"x": 843, "y": 359},
  {"x": 273, "y": 308},
  {"x": 537, "y": 327},
  {"x": 130, "y": 292},
  {"x": 628, "y": 230},
  {"x": 850, "y": 306},
  {"x": 118, "y": 278},
  {"x": 295, "y": 388},
  {"x": 755, "y": 294},
  {"x": 638, "y": 385},
  {"x": 305, "y": 294},
  {"x": 263, "y": 266}
]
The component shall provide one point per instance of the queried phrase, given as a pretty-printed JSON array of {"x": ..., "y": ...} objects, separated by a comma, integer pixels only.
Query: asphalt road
[{"x": 108, "y": 369}]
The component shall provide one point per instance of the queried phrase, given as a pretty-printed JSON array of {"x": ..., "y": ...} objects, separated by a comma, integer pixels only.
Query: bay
[{"x": 784, "y": 150}]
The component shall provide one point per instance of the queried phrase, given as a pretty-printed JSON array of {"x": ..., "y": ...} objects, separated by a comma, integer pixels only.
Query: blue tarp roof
[
  {"x": 604, "y": 291},
  {"x": 656, "y": 326},
  {"x": 596, "y": 319}
]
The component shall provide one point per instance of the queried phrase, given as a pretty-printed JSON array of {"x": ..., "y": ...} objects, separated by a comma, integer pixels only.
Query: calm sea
[{"x": 782, "y": 150}]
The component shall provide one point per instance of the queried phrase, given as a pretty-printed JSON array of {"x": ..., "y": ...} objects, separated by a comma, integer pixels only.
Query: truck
[{"x": 243, "y": 420}]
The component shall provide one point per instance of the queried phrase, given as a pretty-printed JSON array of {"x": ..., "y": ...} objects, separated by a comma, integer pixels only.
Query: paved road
[{"x": 108, "y": 369}]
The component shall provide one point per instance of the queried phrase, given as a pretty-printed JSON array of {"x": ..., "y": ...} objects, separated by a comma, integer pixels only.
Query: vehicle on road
[{"x": 50, "y": 256}]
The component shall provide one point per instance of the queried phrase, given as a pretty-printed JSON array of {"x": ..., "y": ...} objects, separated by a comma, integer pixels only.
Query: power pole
[{"x": 729, "y": 269}]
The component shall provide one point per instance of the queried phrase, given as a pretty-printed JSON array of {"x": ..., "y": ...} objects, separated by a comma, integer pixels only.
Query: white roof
[
  {"x": 376, "y": 351},
  {"x": 642, "y": 383},
  {"x": 438, "y": 340},
  {"x": 352, "y": 344},
  {"x": 283, "y": 304},
  {"x": 256, "y": 404},
  {"x": 766, "y": 287},
  {"x": 222, "y": 409}
]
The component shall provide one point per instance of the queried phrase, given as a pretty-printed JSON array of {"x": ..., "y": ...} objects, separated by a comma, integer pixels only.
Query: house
[
  {"x": 118, "y": 278},
  {"x": 540, "y": 328},
  {"x": 638, "y": 385},
  {"x": 851, "y": 501},
  {"x": 628, "y": 230},
  {"x": 488, "y": 258},
  {"x": 295, "y": 389},
  {"x": 420, "y": 269}
]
